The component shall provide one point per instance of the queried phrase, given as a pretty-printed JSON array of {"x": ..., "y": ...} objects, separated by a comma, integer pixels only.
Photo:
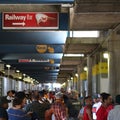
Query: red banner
[
  {"x": 32, "y": 20},
  {"x": 32, "y": 60}
]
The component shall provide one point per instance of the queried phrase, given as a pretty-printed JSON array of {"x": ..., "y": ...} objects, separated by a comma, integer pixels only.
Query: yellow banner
[
  {"x": 83, "y": 76},
  {"x": 103, "y": 68},
  {"x": 75, "y": 79},
  {"x": 95, "y": 70}
]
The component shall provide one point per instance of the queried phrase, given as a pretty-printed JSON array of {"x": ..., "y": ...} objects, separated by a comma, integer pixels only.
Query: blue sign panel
[{"x": 36, "y": 1}]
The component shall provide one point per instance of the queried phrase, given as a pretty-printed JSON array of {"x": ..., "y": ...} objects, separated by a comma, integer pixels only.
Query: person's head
[
  {"x": 106, "y": 98},
  {"x": 13, "y": 92},
  {"x": 41, "y": 93},
  {"x": 35, "y": 97},
  {"x": 74, "y": 94},
  {"x": 20, "y": 99},
  {"x": 4, "y": 102},
  {"x": 101, "y": 96},
  {"x": 9, "y": 93},
  {"x": 36, "y": 92},
  {"x": 88, "y": 100},
  {"x": 96, "y": 98},
  {"x": 117, "y": 99},
  {"x": 62, "y": 90},
  {"x": 59, "y": 96}
]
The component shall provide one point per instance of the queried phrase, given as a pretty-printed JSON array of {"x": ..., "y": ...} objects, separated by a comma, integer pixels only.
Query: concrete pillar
[
  {"x": 13, "y": 84},
  {"x": 78, "y": 79},
  {"x": 7, "y": 85},
  {"x": 72, "y": 84},
  {"x": 20, "y": 86},
  {"x": 114, "y": 65},
  {"x": 89, "y": 75}
]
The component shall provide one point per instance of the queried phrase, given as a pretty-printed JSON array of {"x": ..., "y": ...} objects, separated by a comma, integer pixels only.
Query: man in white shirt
[
  {"x": 10, "y": 97},
  {"x": 96, "y": 105},
  {"x": 114, "y": 114}
]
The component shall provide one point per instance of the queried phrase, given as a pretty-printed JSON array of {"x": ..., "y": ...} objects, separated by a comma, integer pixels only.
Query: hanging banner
[
  {"x": 33, "y": 61},
  {"x": 103, "y": 68},
  {"x": 83, "y": 76},
  {"x": 30, "y": 20}
]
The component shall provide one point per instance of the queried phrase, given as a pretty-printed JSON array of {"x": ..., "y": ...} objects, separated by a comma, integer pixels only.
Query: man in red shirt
[
  {"x": 87, "y": 115},
  {"x": 102, "y": 112}
]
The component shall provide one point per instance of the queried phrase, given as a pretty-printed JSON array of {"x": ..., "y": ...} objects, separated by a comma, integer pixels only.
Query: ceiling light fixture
[
  {"x": 24, "y": 75},
  {"x": 17, "y": 71},
  {"x": 20, "y": 77},
  {"x": 67, "y": 5},
  {"x": 105, "y": 55},
  {"x": 8, "y": 66},
  {"x": 76, "y": 75},
  {"x": 73, "y": 55},
  {"x": 85, "y": 68},
  {"x": 95, "y": 34}
]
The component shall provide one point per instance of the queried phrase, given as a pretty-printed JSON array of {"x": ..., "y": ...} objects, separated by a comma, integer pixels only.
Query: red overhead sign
[
  {"x": 32, "y": 60},
  {"x": 31, "y": 20}
]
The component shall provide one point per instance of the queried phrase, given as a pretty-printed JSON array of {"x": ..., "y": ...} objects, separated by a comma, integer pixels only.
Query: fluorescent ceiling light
[
  {"x": 84, "y": 34},
  {"x": 17, "y": 71},
  {"x": 20, "y": 77},
  {"x": 73, "y": 55},
  {"x": 67, "y": 5},
  {"x": 85, "y": 68},
  {"x": 76, "y": 75},
  {"x": 105, "y": 55},
  {"x": 8, "y": 66},
  {"x": 24, "y": 74}
]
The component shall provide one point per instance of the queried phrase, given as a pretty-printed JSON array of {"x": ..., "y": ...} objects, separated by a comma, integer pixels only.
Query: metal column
[
  {"x": 78, "y": 79},
  {"x": 89, "y": 74},
  {"x": 114, "y": 66}
]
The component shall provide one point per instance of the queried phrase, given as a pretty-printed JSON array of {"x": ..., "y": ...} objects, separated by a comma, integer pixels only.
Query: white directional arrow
[{"x": 22, "y": 23}]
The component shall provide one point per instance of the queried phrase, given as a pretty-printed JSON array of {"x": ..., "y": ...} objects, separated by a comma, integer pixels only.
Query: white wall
[{"x": 104, "y": 85}]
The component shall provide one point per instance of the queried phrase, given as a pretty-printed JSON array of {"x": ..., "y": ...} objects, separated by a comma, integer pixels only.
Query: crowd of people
[
  {"x": 100, "y": 107},
  {"x": 60, "y": 105}
]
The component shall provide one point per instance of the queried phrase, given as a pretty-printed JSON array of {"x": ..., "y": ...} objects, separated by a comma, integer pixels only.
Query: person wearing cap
[
  {"x": 114, "y": 114},
  {"x": 96, "y": 105},
  {"x": 59, "y": 108},
  {"x": 3, "y": 106}
]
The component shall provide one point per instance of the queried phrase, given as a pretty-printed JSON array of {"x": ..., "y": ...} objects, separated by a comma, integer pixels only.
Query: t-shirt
[
  {"x": 38, "y": 109},
  {"x": 17, "y": 114},
  {"x": 95, "y": 108},
  {"x": 10, "y": 105},
  {"x": 85, "y": 114},
  {"x": 102, "y": 113},
  {"x": 3, "y": 113}
]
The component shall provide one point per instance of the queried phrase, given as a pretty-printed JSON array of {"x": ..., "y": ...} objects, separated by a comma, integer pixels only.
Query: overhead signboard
[
  {"x": 30, "y": 20},
  {"x": 32, "y": 60}
]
